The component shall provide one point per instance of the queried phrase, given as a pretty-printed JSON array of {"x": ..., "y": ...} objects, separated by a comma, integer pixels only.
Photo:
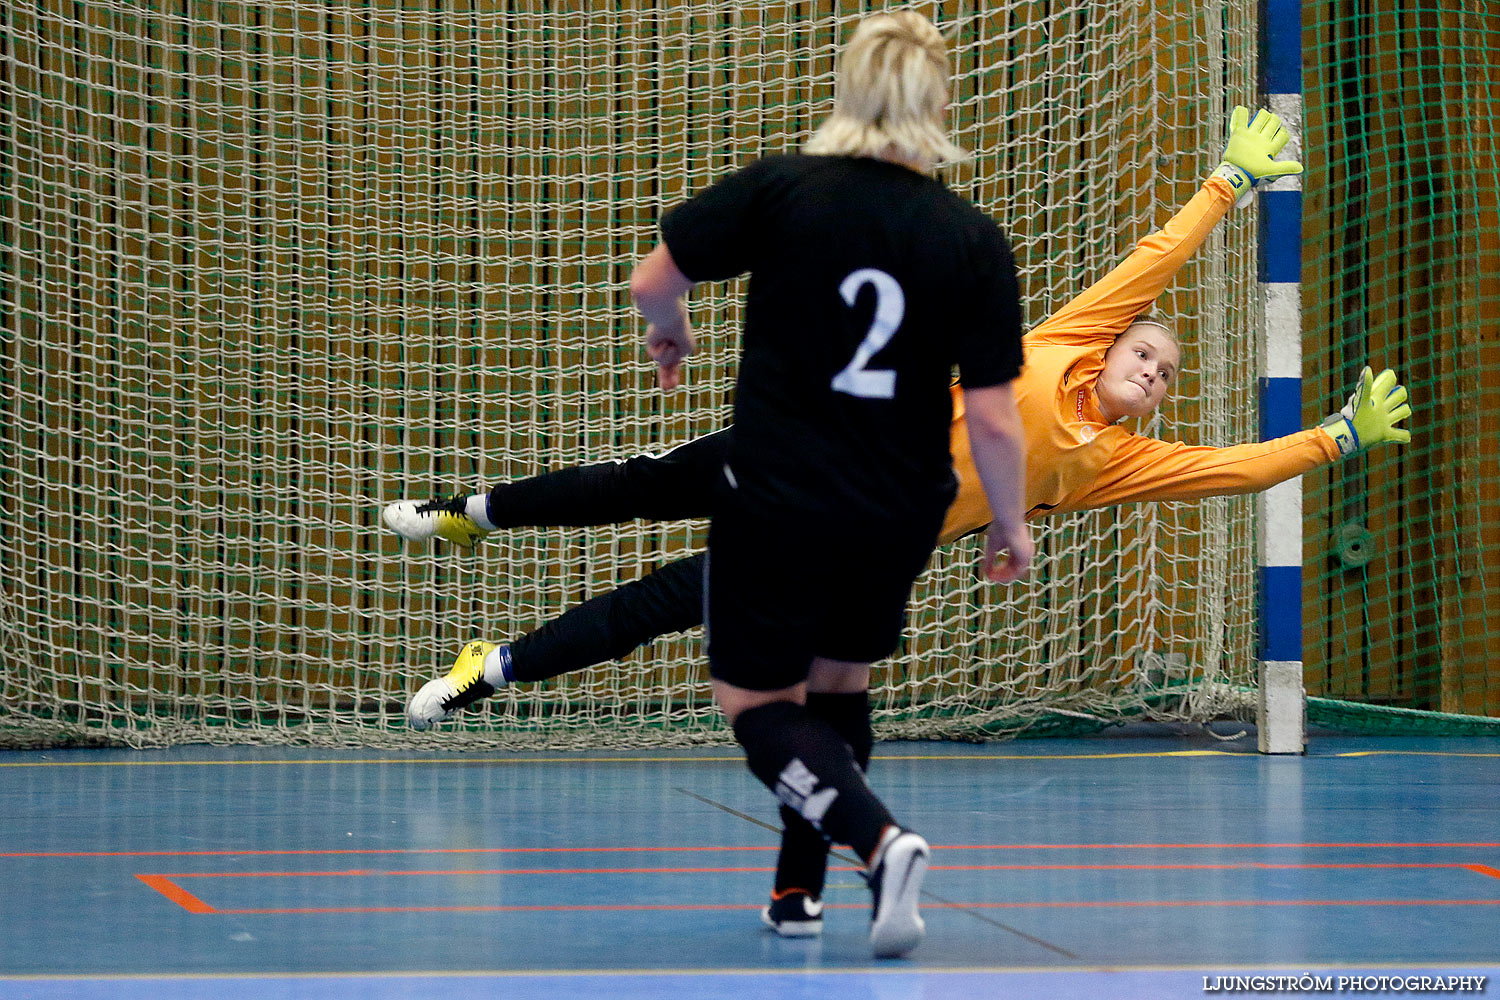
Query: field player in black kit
[{"x": 869, "y": 281}]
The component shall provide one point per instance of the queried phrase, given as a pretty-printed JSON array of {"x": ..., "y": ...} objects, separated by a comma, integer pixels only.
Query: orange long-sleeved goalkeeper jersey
[{"x": 1077, "y": 460}]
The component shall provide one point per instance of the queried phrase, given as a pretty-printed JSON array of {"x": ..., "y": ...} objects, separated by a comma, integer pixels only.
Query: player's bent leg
[
  {"x": 480, "y": 670},
  {"x": 808, "y": 767},
  {"x": 803, "y": 760},
  {"x": 419, "y": 520},
  {"x": 802, "y": 863},
  {"x": 848, "y": 712},
  {"x": 898, "y": 863}
]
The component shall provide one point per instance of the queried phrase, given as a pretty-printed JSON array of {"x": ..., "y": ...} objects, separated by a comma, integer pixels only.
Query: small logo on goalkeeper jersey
[
  {"x": 1088, "y": 432},
  {"x": 795, "y": 788}
]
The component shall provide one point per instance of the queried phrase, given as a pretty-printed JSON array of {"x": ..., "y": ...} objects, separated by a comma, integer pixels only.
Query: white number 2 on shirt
[{"x": 890, "y": 306}]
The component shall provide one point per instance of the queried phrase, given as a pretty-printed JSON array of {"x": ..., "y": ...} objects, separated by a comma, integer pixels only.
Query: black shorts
[{"x": 779, "y": 590}]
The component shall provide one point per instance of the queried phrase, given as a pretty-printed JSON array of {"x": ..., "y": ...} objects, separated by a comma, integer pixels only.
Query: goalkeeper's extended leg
[
  {"x": 600, "y": 629},
  {"x": 675, "y": 485},
  {"x": 672, "y": 486}
]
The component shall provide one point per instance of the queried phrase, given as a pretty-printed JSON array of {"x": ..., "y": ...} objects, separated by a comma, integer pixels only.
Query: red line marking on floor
[
  {"x": 367, "y": 872},
  {"x": 388, "y": 850},
  {"x": 177, "y": 894},
  {"x": 757, "y": 847},
  {"x": 1224, "y": 902},
  {"x": 578, "y": 908},
  {"x": 164, "y": 884},
  {"x": 1238, "y": 846},
  {"x": 1049, "y": 904},
  {"x": 1228, "y": 866}
]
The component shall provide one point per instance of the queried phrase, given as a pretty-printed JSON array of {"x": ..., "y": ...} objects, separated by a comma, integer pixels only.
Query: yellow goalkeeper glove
[
  {"x": 1249, "y": 157},
  {"x": 1377, "y": 405}
]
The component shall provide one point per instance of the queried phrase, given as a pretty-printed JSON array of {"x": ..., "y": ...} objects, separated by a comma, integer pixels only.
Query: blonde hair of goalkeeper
[{"x": 891, "y": 95}]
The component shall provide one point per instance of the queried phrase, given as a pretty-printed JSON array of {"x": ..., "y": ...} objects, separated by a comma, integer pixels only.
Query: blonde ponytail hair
[{"x": 891, "y": 94}]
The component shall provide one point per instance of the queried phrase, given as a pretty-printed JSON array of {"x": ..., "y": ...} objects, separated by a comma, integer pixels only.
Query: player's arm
[
  {"x": 1106, "y": 308},
  {"x": 990, "y": 358},
  {"x": 1143, "y": 468},
  {"x": 658, "y": 288},
  {"x": 997, "y": 443},
  {"x": 712, "y": 236}
]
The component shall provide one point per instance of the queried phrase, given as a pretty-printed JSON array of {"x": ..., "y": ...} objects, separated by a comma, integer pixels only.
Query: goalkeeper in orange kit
[{"x": 1100, "y": 359}]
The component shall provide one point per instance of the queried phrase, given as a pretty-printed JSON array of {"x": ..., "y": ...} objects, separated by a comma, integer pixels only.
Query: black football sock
[
  {"x": 810, "y": 768},
  {"x": 849, "y": 715},
  {"x": 803, "y": 861}
]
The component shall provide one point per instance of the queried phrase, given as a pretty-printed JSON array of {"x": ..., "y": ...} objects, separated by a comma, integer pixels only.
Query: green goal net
[
  {"x": 265, "y": 266},
  {"x": 1401, "y": 256}
]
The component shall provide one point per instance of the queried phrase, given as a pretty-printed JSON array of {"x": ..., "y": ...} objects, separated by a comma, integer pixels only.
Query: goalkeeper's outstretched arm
[
  {"x": 1143, "y": 468},
  {"x": 1105, "y": 309}
]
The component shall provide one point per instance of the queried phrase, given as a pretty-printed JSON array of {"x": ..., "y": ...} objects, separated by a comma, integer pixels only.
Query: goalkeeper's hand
[
  {"x": 1249, "y": 157},
  {"x": 1376, "y": 406}
]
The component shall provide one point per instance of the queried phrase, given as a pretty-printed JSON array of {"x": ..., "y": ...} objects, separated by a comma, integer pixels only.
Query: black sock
[
  {"x": 803, "y": 861},
  {"x": 849, "y": 715},
  {"x": 811, "y": 769}
]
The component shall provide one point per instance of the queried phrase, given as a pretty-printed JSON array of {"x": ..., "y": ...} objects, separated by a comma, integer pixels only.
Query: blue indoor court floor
[{"x": 1112, "y": 866}]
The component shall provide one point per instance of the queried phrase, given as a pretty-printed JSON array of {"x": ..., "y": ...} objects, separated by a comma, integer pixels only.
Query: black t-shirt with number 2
[{"x": 868, "y": 283}]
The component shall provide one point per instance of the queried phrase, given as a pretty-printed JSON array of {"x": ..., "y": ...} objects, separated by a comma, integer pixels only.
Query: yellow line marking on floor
[
  {"x": 729, "y": 757},
  {"x": 1411, "y": 753}
]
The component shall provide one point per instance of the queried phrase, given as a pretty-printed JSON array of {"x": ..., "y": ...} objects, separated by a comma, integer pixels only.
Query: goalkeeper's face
[{"x": 1138, "y": 372}]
